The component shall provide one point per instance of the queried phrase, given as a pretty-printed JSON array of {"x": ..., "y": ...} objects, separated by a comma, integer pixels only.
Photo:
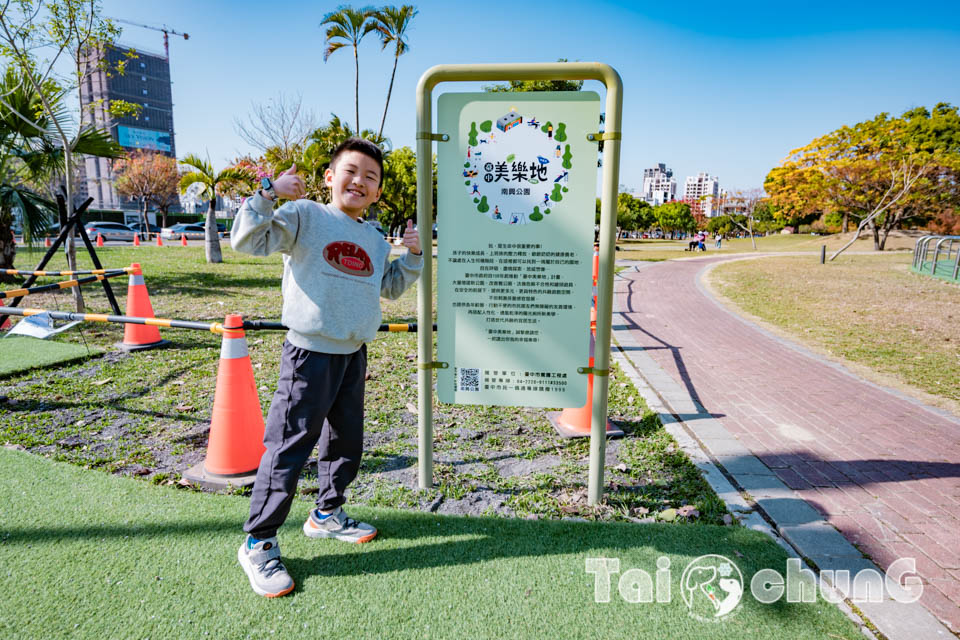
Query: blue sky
[{"x": 726, "y": 88}]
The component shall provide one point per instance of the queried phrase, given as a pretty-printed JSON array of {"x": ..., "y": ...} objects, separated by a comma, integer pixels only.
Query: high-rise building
[
  {"x": 659, "y": 185},
  {"x": 145, "y": 82},
  {"x": 701, "y": 192}
]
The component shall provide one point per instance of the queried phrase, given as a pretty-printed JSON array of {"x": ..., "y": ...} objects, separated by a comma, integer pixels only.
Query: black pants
[{"x": 319, "y": 398}]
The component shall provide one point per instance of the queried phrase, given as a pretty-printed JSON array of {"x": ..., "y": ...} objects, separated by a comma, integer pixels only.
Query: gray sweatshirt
[{"x": 335, "y": 269}]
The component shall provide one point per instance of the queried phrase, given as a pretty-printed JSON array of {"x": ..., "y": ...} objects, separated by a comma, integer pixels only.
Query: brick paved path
[{"x": 882, "y": 469}]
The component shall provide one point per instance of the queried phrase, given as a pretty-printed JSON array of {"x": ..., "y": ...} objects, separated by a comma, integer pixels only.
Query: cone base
[
  {"x": 198, "y": 475},
  {"x": 570, "y": 431},
  {"x": 140, "y": 347}
]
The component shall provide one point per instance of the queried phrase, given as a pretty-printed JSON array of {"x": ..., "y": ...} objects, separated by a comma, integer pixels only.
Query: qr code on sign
[{"x": 468, "y": 379}]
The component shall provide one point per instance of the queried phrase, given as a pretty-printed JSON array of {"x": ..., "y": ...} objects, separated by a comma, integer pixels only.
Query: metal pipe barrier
[
  {"x": 170, "y": 323},
  {"x": 16, "y": 272},
  {"x": 951, "y": 253},
  {"x": 918, "y": 248},
  {"x": 66, "y": 284}
]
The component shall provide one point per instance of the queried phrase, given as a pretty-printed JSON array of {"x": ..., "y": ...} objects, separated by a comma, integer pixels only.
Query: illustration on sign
[{"x": 516, "y": 170}]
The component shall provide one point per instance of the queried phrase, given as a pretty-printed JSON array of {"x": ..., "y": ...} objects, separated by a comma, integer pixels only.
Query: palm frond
[
  {"x": 201, "y": 166},
  {"x": 188, "y": 179},
  {"x": 97, "y": 142}
]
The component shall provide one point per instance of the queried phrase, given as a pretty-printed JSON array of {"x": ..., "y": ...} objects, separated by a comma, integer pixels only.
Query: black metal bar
[
  {"x": 64, "y": 230},
  {"x": 266, "y": 325},
  {"x": 99, "y": 317},
  {"x": 60, "y": 274},
  {"x": 57, "y": 285},
  {"x": 93, "y": 254}
]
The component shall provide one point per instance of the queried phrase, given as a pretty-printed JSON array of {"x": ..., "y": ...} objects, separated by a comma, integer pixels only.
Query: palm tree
[
  {"x": 31, "y": 156},
  {"x": 213, "y": 182},
  {"x": 392, "y": 24},
  {"x": 347, "y": 26}
]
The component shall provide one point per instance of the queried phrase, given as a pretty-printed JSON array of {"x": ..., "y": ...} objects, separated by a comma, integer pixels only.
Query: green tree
[
  {"x": 214, "y": 183},
  {"x": 347, "y": 26},
  {"x": 536, "y": 85},
  {"x": 35, "y": 35},
  {"x": 880, "y": 172},
  {"x": 674, "y": 216},
  {"x": 391, "y": 24},
  {"x": 398, "y": 203},
  {"x": 31, "y": 156}
]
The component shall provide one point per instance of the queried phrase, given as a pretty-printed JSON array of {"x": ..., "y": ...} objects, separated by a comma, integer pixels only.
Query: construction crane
[{"x": 166, "y": 32}]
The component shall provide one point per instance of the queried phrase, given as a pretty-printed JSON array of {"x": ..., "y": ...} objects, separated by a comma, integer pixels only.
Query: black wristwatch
[{"x": 266, "y": 185}]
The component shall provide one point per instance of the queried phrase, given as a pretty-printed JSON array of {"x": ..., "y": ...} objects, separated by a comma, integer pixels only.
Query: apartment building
[
  {"x": 701, "y": 192},
  {"x": 659, "y": 185}
]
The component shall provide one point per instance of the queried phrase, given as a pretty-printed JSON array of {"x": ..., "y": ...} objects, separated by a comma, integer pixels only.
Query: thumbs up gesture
[
  {"x": 289, "y": 185},
  {"x": 411, "y": 238}
]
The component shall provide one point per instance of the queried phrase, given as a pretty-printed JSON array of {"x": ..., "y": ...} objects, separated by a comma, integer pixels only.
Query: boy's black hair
[{"x": 362, "y": 145}]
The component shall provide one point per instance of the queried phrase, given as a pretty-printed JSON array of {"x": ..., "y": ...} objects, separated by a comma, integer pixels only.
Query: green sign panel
[{"x": 516, "y": 193}]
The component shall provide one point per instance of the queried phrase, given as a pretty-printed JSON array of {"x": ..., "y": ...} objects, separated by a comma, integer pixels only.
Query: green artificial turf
[
  {"x": 20, "y": 353},
  {"x": 85, "y": 554}
]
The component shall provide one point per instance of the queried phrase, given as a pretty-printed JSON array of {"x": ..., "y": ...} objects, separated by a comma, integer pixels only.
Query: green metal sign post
[{"x": 532, "y": 228}]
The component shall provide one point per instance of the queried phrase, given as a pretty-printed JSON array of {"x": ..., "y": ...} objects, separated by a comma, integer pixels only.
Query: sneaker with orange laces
[{"x": 338, "y": 525}]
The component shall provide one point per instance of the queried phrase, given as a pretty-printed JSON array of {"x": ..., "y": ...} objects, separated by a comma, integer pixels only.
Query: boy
[{"x": 336, "y": 267}]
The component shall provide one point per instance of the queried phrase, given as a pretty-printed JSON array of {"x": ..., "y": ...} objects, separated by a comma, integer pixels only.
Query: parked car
[
  {"x": 193, "y": 231},
  {"x": 109, "y": 231},
  {"x": 142, "y": 229}
]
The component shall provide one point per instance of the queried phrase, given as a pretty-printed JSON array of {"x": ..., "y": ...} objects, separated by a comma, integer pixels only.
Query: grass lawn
[
  {"x": 147, "y": 414},
  {"x": 870, "y": 310},
  {"x": 657, "y": 250},
  {"x": 21, "y": 353},
  {"x": 89, "y": 555}
]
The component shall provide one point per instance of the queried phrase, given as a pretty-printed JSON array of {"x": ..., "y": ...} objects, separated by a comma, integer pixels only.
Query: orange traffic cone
[
  {"x": 236, "y": 426},
  {"x": 46, "y": 242},
  {"x": 137, "y": 337},
  {"x": 136, "y": 239},
  {"x": 99, "y": 240},
  {"x": 183, "y": 239},
  {"x": 575, "y": 422},
  {"x": 159, "y": 241}
]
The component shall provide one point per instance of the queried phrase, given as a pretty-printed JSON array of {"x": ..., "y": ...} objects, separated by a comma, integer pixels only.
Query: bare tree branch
[{"x": 280, "y": 122}]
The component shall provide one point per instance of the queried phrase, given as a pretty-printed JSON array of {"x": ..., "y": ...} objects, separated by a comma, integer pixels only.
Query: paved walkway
[{"x": 881, "y": 468}]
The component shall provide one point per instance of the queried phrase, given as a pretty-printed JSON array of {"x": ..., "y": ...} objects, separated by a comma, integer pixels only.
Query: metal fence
[{"x": 938, "y": 256}]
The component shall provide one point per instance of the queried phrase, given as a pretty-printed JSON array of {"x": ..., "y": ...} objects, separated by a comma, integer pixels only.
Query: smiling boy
[{"x": 336, "y": 267}]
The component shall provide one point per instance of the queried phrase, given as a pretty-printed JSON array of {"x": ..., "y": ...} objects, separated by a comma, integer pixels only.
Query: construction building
[
  {"x": 659, "y": 186},
  {"x": 145, "y": 82}
]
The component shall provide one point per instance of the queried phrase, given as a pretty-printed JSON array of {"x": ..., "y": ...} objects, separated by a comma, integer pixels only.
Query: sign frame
[{"x": 607, "y": 240}]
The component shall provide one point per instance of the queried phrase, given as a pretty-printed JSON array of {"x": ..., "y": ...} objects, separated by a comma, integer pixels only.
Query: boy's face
[{"x": 354, "y": 181}]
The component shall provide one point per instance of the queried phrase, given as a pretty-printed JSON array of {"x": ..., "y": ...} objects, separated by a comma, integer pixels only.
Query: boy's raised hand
[
  {"x": 289, "y": 185},
  {"x": 411, "y": 238}
]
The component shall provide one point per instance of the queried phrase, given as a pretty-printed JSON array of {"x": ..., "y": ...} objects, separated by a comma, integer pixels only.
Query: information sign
[{"x": 516, "y": 194}]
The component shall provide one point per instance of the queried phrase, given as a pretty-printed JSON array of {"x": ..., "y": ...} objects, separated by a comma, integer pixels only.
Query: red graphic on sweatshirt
[{"x": 348, "y": 258}]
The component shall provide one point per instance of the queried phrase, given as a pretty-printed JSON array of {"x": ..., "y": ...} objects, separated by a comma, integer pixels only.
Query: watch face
[{"x": 266, "y": 184}]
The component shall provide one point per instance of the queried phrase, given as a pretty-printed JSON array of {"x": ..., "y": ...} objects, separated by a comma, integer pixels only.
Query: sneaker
[
  {"x": 338, "y": 525},
  {"x": 266, "y": 572}
]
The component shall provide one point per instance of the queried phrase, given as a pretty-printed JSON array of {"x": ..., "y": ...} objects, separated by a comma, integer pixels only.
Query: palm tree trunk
[
  {"x": 211, "y": 238},
  {"x": 356, "y": 87},
  {"x": 8, "y": 250},
  {"x": 389, "y": 91}
]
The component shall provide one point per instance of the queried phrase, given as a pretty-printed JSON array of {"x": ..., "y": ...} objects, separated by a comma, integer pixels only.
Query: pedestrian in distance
[
  {"x": 719, "y": 239},
  {"x": 336, "y": 267}
]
